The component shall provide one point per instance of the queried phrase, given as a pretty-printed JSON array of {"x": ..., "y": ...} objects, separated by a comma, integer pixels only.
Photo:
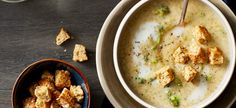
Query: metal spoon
[
  {"x": 179, "y": 28},
  {"x": 185, "y": 5}
]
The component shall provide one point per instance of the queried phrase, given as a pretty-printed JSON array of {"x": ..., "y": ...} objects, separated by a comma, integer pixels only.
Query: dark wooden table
[{"x": 27, "y": 34}]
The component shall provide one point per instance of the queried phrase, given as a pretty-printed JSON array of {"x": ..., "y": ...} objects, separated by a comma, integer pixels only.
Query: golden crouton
[
  {"x": 62, "y": 37},
  {"x": 189, "y": 73},
  {"x": 32, "y": 88},
  {"x": 180, "y": 55},
  {"x": 198, "y": 57},
  {"x": 46, "y": 82},
  {"x": 65, "y": 99},
  {"x": 202, "y": 35},
  {"x": 77, "y": 92},
  {"x": 62, "y": 79},
  {"x": 47, "y": 75},
  {"x": 215, "y": 56},
  {"x": 54, "y": 104},
  {"x": 77, "y": 105},
  {"x": 41, "y": 103},
  {"x": 29, "y": 102},
  {"x": 165, "y": 75},
  {"x": 79, "y": 53},
  {"x": 55, "y": 94},
  {"x": 43, "y": 93}
]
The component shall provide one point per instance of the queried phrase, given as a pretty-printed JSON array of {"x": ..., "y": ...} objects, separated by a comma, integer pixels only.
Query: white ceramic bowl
[{"x": 222, "y": 84}]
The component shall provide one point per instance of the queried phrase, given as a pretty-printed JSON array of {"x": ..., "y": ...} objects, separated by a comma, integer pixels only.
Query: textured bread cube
[
  {"x": 79, "y": 53},
  {"x": 32, "y": 88},
  {"x": 189, "y": 73},
  {"x": 165, "y": 75},
  {"x": 77, "y": 105},
  {"x": 198, "y": 57},
  {"x": 180, "y": 55},
  {"x": 55, "y": 94},
  {"x": 62, "y": 79},
  {"x": 215, "y": 56},
  {"x": 29, "y": 102},
  {"x": 54, "y": 104},
  {"x": 43, "y": 93},
  {"x": 65, "y": 99},
  {"x": 47, "y": 75},
  {"x": 77, "y": 92},
  {"x": 202, "y": 35},
  {"x": 62, "y": 37},
  {"x": 48, "y": 83},
  {"x": 41, "y": 104}
]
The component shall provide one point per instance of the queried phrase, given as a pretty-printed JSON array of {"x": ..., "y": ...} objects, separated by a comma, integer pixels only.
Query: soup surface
[{"x": 149, "y": 42}]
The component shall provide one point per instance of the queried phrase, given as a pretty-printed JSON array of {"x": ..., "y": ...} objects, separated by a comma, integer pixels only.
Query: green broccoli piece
[{"x": 162, "y": 10}]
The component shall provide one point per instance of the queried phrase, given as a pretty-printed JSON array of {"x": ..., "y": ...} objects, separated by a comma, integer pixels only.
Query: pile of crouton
[
  {"x": 54, "y": 92},
  {"x": 181, "y": 55}
]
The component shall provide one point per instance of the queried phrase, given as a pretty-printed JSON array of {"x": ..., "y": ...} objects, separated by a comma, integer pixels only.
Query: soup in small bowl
[{"x": 161, "y": 65}]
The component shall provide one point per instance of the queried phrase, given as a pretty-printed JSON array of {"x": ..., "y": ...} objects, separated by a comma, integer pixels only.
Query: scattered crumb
[{"x": 65, "y": 50}]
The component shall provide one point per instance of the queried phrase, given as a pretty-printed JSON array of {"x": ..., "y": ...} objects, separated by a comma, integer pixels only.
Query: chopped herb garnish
[
  {"x": 140, "y": 80},
  {"x": 176, "y": 82},
  {"x": 155, "y": 61},
  {"x": 174, "y": 99},
  {"x": 201, "y": 67},
  {"x": 162, "y": 10},
  {"x": 208, "y": 77},
  {"x": 151, "y": 79},
  {"x": 202, "y": 14},
  {"x": 159, "y": 31},
  {"x": 145, "y": 57}
]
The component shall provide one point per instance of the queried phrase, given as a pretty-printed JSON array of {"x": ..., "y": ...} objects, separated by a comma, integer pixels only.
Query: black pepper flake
[
  {"x": 136, "y": 41},
  {"x": 138, "y": 54}
]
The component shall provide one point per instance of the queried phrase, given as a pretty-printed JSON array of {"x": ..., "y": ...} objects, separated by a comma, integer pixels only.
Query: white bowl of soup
[{"x": 162, "y": 66}]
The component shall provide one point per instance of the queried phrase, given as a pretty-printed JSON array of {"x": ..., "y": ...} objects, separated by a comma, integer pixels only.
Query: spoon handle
[{"x": 184, "y": 9}]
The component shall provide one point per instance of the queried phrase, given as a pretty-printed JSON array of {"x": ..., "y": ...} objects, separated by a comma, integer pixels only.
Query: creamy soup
[{"x": 149, "y": 41}]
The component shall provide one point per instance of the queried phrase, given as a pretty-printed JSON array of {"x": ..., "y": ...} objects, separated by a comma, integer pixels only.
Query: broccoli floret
[{"x": 162, "y": 10}]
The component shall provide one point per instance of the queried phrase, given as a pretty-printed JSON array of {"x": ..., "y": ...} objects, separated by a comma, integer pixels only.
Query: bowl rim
[
  {"x": 13, "y": 93},
  {"x": 224, "y": 82}
]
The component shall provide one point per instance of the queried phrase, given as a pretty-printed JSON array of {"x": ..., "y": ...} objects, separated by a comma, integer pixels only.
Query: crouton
[
  {"x": 43, "y": 93},
  {"x": 47, "y": 75},
  {"x": 180, "y": 55},
  {"x": 79, "y": 53},
  {"x": 65, "y": 99},
  {"x": 54, "y": 104},
  {"x": 189, "y": 73},
  {"x": 165, "y": 75},
  {"x": 29, "y": 102},
  {"x": 215, "y": 56},
  {"x": 55, "y": 94},
  {"x": 62, "y": 37},
  {"x": 32, "y": 88},
  {"x": 77, "y": 105},
  {"x": 62, "y": 79},
  {"x": 41, "y": 103},
  {"x": 198, "y": 57},
  {"x": 202, "y": 35},
  {"x": 46, "y": 82},
  {"x": 77, "y": 92}
]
